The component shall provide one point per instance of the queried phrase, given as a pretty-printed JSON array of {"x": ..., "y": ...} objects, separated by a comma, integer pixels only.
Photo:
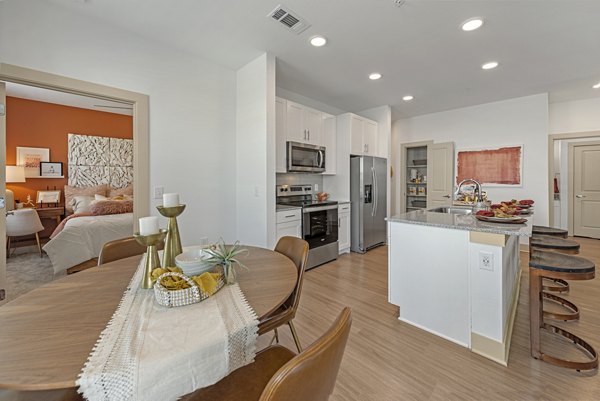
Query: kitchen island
[{"x": 457, "y": 277}]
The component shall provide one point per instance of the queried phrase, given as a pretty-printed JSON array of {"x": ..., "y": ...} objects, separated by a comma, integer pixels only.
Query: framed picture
[
  {"x": 31, "y": 158},
  {"x": 48, "y": 197},
  {"x": 51, "y": 169},
  {"x": 492, "y": 167}
]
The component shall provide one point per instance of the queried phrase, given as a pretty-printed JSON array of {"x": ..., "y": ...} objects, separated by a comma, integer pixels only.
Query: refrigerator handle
[
  {"x": 376, "y": 191},
  {"x": 374, "y": 208}
]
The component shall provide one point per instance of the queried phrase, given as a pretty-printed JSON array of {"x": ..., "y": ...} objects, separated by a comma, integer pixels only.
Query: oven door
[
  {"x": 305, "y": 158},
  {"x": 320, "y": 225}
]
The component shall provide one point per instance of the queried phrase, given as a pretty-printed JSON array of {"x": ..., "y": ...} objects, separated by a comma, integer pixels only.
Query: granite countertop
[
  {"x": 281, "y": 208},
  {"x": 462, "y": 222}
]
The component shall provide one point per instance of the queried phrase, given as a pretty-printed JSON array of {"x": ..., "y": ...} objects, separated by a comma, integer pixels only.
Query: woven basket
[{"x": 188, "y": 296}]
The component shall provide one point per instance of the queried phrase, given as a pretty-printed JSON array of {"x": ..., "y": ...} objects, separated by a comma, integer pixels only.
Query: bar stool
[
  {"x": 555, "y": 244},
  {"x": 555, "y": 232},
  {"x": 566, "y": 267}
]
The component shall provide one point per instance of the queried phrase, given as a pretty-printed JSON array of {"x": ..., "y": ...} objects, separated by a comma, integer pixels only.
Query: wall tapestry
[
  {"x": 95, "y": 160},
  {"x": 492, "y": 167}
]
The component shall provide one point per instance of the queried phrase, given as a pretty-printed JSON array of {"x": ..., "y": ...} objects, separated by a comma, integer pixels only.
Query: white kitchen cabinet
[
  {"x": 303, "y": 124},
  {"x": 344, "y": 227},
  {"x": 289, "y": 222},
  {"x": 330, "y": 142},
  {"x": 362, "y": 133},
  {"x": 280, "y": 135}
]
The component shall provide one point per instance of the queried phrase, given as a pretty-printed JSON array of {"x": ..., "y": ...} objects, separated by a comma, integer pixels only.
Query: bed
[{"x": 82, "y": 237}]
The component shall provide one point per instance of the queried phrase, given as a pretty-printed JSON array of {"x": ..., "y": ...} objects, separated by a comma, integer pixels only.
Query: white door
[
  {"x": 3, "y": 190},
  {"x": 440, "y": 174},
  {"x": 280, "y": 136},
  {"x": 295, "y": 125},
  {"x": 313, "y": 123},
  {"x": 586, "y": 191},
  {"x": 370, "y": 138},
  {"x": 356, "y": 135}
]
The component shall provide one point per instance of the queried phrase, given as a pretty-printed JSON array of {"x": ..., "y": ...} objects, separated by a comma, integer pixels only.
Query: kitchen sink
[{"x": 451, "y": 210}]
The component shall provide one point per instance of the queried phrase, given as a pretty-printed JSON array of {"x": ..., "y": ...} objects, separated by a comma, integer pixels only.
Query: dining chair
[
  {"x": 121, "y": 249},
  {"x": 295, "y": 249},
  {"x": 277, "y": 374},
  {"x": 23, "y": 222}
]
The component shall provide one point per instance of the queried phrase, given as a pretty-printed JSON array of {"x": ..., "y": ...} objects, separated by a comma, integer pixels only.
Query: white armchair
[{"x": 23, "y": 222}]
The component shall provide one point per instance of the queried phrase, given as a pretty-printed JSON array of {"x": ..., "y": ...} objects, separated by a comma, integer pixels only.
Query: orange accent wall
[{"x": 45, "y": 125}]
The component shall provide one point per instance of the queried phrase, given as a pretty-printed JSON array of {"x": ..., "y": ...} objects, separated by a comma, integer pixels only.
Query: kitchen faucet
[{"x": 478, "y": 196}]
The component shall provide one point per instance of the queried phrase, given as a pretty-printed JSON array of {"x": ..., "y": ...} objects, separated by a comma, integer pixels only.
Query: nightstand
[{"x": 54, "y": 213}]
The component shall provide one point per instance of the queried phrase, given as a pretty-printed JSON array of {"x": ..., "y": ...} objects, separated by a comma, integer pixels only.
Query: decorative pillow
[
  {"x": 82, "y": 204},
  {"x": 100, "y": 197},
  {"x": 109, "y": 206},
  {"x": 71, "y": 192},
  {"x": 128, "y": 190}
]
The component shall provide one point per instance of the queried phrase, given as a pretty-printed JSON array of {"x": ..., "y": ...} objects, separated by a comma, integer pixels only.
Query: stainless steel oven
[
  {"x": 305, "y": 158},
  {"x": 320, "y": 230}
]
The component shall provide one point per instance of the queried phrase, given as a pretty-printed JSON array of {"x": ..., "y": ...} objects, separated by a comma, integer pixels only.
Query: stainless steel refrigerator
[{"x": 368, "y": 194}]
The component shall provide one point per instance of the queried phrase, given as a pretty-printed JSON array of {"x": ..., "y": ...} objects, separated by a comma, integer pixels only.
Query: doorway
[
  {"x": 139, "y": 103},
  {"x": 585, "y": 192}
]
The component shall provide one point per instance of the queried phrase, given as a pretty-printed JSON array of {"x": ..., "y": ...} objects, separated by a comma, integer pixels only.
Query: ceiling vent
[{"x": 289, "y": 19}]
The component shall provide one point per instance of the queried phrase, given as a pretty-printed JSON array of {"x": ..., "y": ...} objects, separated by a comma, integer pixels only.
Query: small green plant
[{"x": 226, "y": 256}]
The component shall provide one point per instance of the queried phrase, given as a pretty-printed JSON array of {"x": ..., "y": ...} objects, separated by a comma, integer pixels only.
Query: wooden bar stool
[
  {"x": 566, "y": 267},
  {"x": 554, "y": 244},
  {"x": 555, "y": 232}
]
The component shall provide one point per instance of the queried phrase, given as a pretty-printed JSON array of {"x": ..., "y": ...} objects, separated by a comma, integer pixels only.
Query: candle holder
[
  {"x": 152, "y": 260},
  {"x": 173, "y": 241}
]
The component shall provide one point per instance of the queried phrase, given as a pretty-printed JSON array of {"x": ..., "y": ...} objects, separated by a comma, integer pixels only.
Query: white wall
[
  {"x": 192, "y": 102},
  {"x": 510, "y": 122},
  {"x": 575, "y": 116},
  {"x": 255, "y": 152}
]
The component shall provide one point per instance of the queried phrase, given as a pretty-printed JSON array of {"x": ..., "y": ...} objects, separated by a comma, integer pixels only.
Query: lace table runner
[{"x": 149, "y": 352}]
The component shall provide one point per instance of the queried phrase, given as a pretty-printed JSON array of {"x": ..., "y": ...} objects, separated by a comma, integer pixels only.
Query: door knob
[{"x": 580, "y": 196}]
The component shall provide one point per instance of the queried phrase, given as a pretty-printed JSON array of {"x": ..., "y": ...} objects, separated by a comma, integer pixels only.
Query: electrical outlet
[
  {"x": 316, "y": 187},
  {"x": 158, "y": 192},
  {"x": 486, "y": 261}
]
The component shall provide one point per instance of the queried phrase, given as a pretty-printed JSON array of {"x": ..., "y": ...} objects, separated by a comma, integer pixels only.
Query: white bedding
[{"x": 83, "y": 237}]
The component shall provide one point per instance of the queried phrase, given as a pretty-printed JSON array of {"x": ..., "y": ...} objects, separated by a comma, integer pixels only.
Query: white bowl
[{"x": 193, "y": 262}]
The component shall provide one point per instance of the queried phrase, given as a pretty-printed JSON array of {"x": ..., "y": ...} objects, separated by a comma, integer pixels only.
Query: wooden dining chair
[
  {"x": 121, "y": 249},
  {"x": 277, "y": 374},
  {"x": 297, "y": 250}
]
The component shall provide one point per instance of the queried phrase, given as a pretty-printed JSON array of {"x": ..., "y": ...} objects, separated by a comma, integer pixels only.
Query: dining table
[{"x": 47, "y": 334}]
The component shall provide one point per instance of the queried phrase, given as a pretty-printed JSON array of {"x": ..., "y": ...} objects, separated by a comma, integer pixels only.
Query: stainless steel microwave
[{"x": 305, "y": 158}]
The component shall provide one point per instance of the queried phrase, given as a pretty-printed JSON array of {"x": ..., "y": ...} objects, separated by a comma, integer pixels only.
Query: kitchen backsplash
[{"x": 300, "y": 179}]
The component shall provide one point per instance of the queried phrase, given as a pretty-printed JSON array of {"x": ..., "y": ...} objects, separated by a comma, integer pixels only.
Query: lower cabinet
[
  {"x": 344, "y": 227},
  {"x": 289, "y": 222}
]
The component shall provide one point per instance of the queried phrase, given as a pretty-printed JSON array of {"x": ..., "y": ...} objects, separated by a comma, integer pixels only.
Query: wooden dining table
[{"x": 46, "y": 335}]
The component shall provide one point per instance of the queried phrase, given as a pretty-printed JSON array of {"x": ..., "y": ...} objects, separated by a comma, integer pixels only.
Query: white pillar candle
[
  {"x": 149, "y": 225},
  {"x": 170, "y": 200}
]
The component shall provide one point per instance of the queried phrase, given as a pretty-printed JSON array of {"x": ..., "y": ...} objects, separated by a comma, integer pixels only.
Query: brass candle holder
[
  {"x": 173, "y": 241},
  {"x": 152, "y": 260}
]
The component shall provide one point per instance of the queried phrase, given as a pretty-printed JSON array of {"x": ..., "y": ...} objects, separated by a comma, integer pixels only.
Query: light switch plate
[{"x": 158, "y": 192}]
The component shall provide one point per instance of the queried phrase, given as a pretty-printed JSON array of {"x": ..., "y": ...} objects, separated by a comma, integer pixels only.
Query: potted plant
[{"x": 227, "y": 257}]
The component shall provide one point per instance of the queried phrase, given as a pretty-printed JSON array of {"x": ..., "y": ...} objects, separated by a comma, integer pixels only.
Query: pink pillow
[
  {"x": 109, "y": 206},
  {"x": 128, "y": 190}
]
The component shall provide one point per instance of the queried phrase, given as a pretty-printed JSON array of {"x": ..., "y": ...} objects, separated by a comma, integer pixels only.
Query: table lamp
[{"x": 14, "y": 174}]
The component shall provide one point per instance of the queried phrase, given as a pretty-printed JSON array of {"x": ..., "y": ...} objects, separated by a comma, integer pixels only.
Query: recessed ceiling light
[
  {"x": 597, "y": 86},
  {"x": 472, "y": 24},
  {"x": 374, "y": 76},
  {"x": 318, "y": 41},
  {"x": 489, "y": 66},
  {"x": 408, "y": 98}
]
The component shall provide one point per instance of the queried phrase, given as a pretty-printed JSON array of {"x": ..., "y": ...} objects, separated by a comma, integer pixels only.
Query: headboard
[{"x": 96, "y": 160}]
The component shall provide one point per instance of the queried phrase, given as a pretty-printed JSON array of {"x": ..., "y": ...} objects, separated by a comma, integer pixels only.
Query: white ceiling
[
  {"x": 67, "y": 99},
  {"x": 542, "y": 46}
]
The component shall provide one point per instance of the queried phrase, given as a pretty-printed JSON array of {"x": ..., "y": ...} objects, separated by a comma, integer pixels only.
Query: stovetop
[{"x": 306, "y": 203}]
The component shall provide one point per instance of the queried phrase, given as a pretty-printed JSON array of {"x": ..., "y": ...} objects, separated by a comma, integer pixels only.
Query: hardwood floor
[{"x": 387, "y": 359}]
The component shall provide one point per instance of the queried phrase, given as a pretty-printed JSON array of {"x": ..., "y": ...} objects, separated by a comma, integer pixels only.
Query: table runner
[{"x": 149, "y": 352}]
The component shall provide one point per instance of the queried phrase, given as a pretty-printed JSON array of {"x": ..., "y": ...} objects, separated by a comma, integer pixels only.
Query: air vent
[{"x": 289, "y": 19}]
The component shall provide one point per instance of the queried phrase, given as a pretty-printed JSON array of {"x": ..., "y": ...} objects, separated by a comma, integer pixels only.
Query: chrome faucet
[{"x": 478, "y": 196}]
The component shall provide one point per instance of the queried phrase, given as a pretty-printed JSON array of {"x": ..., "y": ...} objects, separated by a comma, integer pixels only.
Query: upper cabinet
[
  {"x": 303, "y": 124},
  {"x": 363, "y": 134},
  {"x": 329, "y": 141}
]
